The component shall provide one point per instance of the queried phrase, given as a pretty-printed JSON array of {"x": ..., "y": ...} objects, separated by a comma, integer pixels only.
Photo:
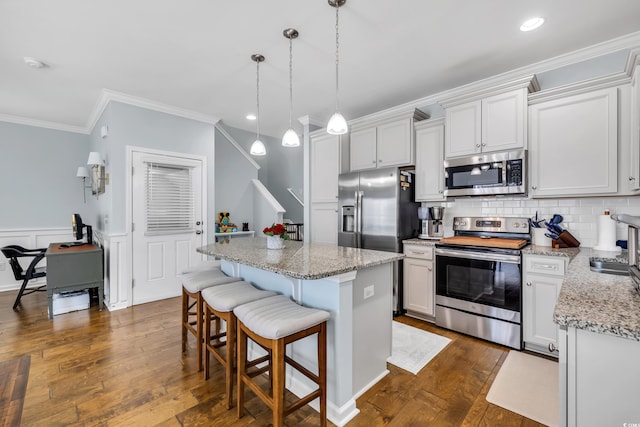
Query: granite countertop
[
  {"x": 297, "y": 259},
  {"x": 596, "y": 302}
]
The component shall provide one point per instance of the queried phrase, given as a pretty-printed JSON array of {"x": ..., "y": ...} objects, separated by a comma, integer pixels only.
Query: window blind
[{"x": 169, "y": 206}]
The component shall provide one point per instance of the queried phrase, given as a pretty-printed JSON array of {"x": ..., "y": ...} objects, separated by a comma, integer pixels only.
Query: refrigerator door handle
[{"x": 359, "y": 195}]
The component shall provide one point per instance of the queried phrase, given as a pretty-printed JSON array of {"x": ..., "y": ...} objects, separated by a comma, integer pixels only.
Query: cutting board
[{"x": 492, "y": 242}]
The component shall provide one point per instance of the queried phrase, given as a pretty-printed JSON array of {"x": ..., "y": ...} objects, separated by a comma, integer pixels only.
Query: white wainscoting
[
  {"x": 117, "y": 283},
  {"x": 29, "y": 239}
]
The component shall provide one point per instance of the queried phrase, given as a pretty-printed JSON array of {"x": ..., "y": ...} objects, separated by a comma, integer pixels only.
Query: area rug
[
  {"x": 527, "y": 385},
  {"x": 413, "y": 348}
]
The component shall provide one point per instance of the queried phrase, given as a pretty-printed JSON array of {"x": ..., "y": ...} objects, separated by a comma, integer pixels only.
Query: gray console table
[{"x": 72, "y": 269}]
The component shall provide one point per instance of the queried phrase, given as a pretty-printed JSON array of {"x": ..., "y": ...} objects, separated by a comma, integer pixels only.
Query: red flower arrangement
[{"x": 276, "y": 230}]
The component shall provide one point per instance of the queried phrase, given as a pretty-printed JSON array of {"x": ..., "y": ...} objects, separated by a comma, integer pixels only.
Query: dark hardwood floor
[{"x": 92, "y": 368}]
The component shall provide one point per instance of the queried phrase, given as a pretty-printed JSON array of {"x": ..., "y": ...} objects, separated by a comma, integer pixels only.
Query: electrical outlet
[{"x": 368, "y": 292}]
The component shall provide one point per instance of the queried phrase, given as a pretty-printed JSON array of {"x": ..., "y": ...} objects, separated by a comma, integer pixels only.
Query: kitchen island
[{"x": 353, "y": 285}]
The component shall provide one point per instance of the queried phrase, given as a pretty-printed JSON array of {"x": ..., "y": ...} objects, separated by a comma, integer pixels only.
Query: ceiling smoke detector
[{"x": 33, "y": 62}]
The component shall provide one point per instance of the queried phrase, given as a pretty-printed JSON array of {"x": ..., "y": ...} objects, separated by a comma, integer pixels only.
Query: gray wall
[
  {"x": 234, "y": 190},
  {"x": 134, "y": 126},
  {"x": 281, "y": 168},
  {"x": 39, "y": 188}
]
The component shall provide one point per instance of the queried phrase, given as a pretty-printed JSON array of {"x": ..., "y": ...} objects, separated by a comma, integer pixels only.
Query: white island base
[{"x": 358, "y": 331}]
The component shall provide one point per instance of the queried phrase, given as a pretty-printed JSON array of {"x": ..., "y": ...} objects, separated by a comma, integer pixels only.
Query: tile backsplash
[{"x": 580, "y": 214}]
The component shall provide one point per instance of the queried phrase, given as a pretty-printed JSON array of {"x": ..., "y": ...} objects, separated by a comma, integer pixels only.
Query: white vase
[{"x": 275, "y": 242}]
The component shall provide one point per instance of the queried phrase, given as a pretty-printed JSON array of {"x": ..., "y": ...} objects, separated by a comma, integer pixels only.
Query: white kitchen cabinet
[
  {"x": 634, "y": 158},
  {"x": 327, "y": 160},
  {"x": 325, "y": 168},
  {"x": 363, "y": 149},
  {"x": 324, "y": 223},
  {"x": 494, "y": 123},
  {"x": 598, "y": 379},
  {"x": 429, "y": 177},
  {"x": 542, "y": 279},
  {"x": 418, "y": 282},
  {"x": 382, "y": 145},
  {"x": 574, "y": 145}
]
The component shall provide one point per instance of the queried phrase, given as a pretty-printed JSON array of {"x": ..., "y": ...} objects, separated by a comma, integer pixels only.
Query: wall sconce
[
  {"x": 84, "y": 174},
  {"x": 97, "y": 173}
]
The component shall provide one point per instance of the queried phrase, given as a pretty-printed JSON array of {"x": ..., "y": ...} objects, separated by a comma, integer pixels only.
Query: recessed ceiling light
[
  {"x": 251, "y": 116},
  {"x": 33, "y": 62},
  {"x": 531, "y": 24}
]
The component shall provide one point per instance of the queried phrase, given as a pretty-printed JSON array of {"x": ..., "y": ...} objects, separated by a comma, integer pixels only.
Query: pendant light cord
[
  {"x": 290, "y": 78},
  {"x": 337, "y": 53},
  {"x": 258, "y": 100}
]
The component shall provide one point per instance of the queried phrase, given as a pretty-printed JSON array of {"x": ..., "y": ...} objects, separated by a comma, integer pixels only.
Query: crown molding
[
  {"x": 108, "y": 95},
  {"x": 629, "y": 41},
  {"x": 42, "y": 124},
  {"x": 585, "y": 86},
  {"x": 309, "y": 120},
  {"x": 237, "y": 146}
]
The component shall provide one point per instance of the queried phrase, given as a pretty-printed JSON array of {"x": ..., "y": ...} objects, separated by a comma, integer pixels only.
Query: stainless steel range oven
[{"x": 479, "y": 278}]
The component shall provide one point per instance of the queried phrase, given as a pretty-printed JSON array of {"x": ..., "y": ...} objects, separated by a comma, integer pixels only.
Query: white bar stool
[
  {"x": 192, "y": 321},
  {"x": 219, "y": 301},
  {"x": 273, "y": 323}
]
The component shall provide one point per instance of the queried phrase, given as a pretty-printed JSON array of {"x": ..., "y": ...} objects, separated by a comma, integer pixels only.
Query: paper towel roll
[{"x": 606, "y": 234}]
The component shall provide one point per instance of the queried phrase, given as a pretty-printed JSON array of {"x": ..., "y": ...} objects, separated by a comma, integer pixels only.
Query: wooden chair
[
  {"x": 219, "y": 302},
  {"x": 273, "y": 323},
  {"x": 192, "y": 309},
  {"x": 14, "y": 253}
]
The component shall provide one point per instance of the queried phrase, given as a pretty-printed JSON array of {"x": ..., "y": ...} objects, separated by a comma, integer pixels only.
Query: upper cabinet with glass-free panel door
[{"x": 488, "y": 120}]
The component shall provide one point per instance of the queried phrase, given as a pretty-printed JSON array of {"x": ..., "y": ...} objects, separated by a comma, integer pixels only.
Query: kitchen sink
[{"x": 608, "y": 266}]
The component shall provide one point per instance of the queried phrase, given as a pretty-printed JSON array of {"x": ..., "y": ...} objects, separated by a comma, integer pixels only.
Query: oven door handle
[{"x": 481, "y": 256}]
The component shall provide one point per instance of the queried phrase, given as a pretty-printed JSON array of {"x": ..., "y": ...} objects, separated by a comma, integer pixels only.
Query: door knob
[
  {"x": 552, "y": 347},
  {"x": 198, "y": 231},
  {"x": 528, "y": 283},
  {"x": 198, "y": 222}
]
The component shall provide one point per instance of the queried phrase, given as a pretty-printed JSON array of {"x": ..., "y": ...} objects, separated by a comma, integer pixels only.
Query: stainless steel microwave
[{"x": 487, "y": 174}]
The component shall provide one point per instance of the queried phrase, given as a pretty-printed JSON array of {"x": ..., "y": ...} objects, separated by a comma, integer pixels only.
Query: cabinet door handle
[
  {"x": 429, "y": 268},
  {"x": 198, "y": 231},
  {"x": 545, "y": 266},
  {"x": 477, "y": 145},
  {"x": 484, "y": 145},
  {"x": 528, "y": 283},
  {"x": 632, "y": 178},
  {"x": 533, "y": 187},
  {"x": 552, "y": 347}
]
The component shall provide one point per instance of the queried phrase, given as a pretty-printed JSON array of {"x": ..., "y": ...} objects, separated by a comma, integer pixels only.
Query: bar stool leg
[
  {"x": 185, "y": 319},
  {"x": 230, "y": 349},
  {"x": 278, "y": 365},
  {"x": 241, "y": 368},
  {"x": 199, "y": 335},
  {"x": 322, "y": 373}
]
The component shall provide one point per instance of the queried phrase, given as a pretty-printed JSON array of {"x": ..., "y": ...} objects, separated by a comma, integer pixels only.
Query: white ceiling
[{"x": 195, "y": 54}]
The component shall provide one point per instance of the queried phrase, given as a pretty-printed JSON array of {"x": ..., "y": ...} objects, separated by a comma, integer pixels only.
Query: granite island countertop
[
  {"x": 298, "y": 260},
  {"x": 596, "y": 302}
]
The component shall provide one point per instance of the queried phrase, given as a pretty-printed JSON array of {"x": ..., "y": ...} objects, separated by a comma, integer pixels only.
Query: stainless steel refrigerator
[{"x": 377, "y": 211}]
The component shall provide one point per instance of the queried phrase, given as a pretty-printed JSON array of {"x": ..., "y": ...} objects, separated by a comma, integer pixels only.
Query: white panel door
[
  {"x": 363, "y": 150},
  {"x": 164, "y": 242},
  {"x": 325, "y": 168},
  {"x": 503, "y": 126},
  {"x": 429, "y": 163},
  {"x": 574, "y": 145},
  {"x": 395, "y": 146},
  {"x": 324, "y": 223},
  {"x": 463, "y": 129}
]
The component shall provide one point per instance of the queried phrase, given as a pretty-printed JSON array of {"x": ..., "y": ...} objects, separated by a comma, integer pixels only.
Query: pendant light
[
  {"x": 290, "y": 137},
  {"x": 258, "y": 148},
  {"x": 337, "y": 124}
]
